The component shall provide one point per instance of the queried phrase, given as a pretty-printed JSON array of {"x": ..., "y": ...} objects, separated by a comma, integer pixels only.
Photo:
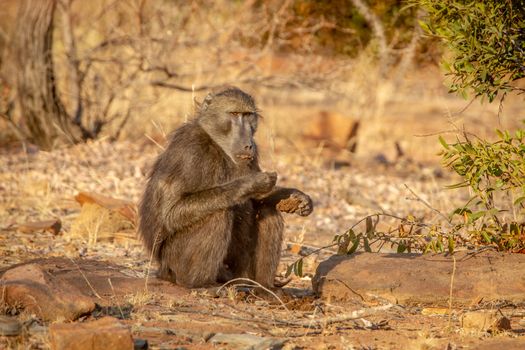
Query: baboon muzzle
[{"x": 247, "y": 153}]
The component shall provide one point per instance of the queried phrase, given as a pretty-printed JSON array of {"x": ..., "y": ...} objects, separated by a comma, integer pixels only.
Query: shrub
[
  {"x": 495, "y": 174},
  {"x": 486, "y": 40}
]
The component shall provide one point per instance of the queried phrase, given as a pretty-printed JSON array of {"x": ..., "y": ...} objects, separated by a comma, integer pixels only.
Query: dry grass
[{"x": 141, "y": 298}]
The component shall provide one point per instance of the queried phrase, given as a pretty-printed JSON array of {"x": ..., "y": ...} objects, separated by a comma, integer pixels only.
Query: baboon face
[{"x": 230, "y": 118}]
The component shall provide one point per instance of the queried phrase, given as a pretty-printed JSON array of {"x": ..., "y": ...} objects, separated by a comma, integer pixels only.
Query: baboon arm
[
  {"x": 191, "y": 208},
  {"x": 276, "y": 195}
]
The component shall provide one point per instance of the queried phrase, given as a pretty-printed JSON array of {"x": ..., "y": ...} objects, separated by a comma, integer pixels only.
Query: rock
[
  {"x": 52, "y": 226},
  {"x": 101, "y": 217},
  {"x": 485, "y": 321},
  {"x": 9, "y": 326},
  {"x": 37, "y": 291},
  {"x": 91, "y": 278},
  {"x": 126, "y": 208},
  {"x": 334, "y": 130},
  {"x": 501, "y": 343},
  {"x": 105, "y": 333},
  {"x": 423, "y": 279},
  {"x": 246, "y": 341},
  {"x": 140, "y": 344}
]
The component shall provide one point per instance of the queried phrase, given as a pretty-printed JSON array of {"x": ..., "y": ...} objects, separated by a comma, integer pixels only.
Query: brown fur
[{"x": 208, "y": 213}]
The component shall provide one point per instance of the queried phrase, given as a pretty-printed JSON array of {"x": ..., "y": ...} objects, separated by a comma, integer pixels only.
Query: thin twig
[
  {"x": 85, "y": 278},
  {"x": 450, "y": 292},
  {"x": 348, "y": 287},
  {"x": 428, "y": 205},
  {"x": 155, "y": 142},
  {"x": 315, "y": 323},
  {"x": 256, "y": 284},
  {"x": 500, "y": 107},
  {"x": 115, "y": 295},
  {"x": 455, "y": 114},
  {"x": 379, "y": 32},
  {"x": 150, "y": 262},
  {"x": 356, "y": 314},
  {"x": 311, "y": 322}
]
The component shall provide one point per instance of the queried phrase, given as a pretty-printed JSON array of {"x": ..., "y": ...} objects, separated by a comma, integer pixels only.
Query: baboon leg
[
  {"x": 270, "y": 228},
  {"x": 225, "y": 274},
  {"x": 165, "y": 272},
  {"x": 196, "y": 257},
  {"x": 240, "y": 259}
]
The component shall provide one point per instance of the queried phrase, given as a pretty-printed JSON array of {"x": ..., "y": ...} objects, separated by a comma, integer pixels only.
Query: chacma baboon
[{"x": 209, "y": 214}]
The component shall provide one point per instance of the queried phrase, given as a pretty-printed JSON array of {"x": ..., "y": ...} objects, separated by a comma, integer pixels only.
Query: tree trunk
[{"x": 41, "y": 108}]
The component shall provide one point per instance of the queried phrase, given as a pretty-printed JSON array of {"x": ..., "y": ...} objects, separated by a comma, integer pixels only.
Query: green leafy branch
[
  {"x": 486, "y": 41},
  {"x": 407, "y": 236},
  {"x": 495, "y": 174}
]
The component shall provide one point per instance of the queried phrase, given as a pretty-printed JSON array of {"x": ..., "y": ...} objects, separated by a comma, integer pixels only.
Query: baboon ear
[
  {"x": 196, "y": 104},
  {"x": 206, "y": 102}
]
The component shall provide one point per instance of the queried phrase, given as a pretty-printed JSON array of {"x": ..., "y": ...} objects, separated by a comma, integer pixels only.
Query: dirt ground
[{"x": 37, "y": 185}]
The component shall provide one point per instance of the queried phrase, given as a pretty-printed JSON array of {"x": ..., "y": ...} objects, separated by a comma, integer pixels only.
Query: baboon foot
[
  {"x": 280, "y": 282},
  {"x": 166, "y": 274}
]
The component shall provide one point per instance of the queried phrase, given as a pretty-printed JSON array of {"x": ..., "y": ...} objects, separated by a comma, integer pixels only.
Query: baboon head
[{"x": 230, "y": 116}]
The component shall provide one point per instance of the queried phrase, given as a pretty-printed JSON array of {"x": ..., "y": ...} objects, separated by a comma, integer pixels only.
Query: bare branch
[
  {"x": 379, "y": 32},
  {"x": 75, "y": 86}
]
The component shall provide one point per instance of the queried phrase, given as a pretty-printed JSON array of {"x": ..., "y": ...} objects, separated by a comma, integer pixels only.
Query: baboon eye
[{"x": 236, "y": 114}]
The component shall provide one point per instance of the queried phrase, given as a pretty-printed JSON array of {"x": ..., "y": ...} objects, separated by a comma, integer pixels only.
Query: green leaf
[
  {"x": 443, "y": 142},
  {"x": 354, "y": 246},
  {"x": 486, "y": 237},
  {"x": 458, "y": 185},
  {"x": 424, "y": 26},
  {"x": 451, "y": 244},
  {"x": 439, "y": 246},
  {"x": 369, "y": 225},
  {"x": 461, "y": 211},
  {"x": 519, "y": 200},
  {"x": 492, "y": 212},
  {"x": 343, "y": 245},
  {"x": 299, "y": 268},
  {"x": 472, "y": 217},
  {"x": 366, "y": 245},
  {"x": 289, "y": 270}
]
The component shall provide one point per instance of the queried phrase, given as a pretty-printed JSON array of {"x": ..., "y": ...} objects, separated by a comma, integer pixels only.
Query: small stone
[
  {"x": 9, "y": 326},
  {"x": 432, "y": 311},
  {"x": 485, "y": 321},
  {"x": 140, "y": 344},
  {"x": 105, "y": 333}
]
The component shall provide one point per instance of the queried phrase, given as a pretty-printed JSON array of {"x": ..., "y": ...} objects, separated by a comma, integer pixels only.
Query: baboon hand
[
  {"x": 261, "y": 183},
  {"x": 298, "y": 203}
]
